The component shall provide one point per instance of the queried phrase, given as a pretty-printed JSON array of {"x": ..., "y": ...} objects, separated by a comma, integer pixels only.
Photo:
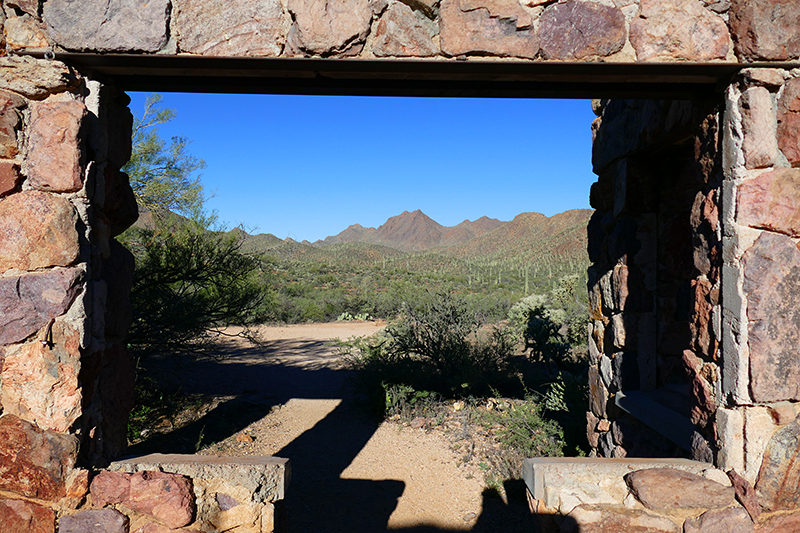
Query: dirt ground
[{"x": 351, "y": 472}]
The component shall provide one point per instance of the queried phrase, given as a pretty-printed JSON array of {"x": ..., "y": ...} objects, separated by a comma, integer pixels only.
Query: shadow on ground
[{"x": 318, "y": 500}]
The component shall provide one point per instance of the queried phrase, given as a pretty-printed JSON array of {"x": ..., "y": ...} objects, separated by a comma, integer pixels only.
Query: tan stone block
[
  {"x": 759, "y": 427},
  {"x": 25, "y": 33},
  {"x": 36, "y": 78},
  {"x": 759, "y": 123},
  {"x": 55, "y": 149},
  {"x": 730, "y": 427},
  {"x": 330, "y": 26},
  {"x": 37, "y": 230}
]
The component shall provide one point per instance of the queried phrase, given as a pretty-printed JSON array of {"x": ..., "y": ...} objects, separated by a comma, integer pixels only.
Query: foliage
[
  {"x": 190, "y": 284},
  {"x": 154, "y": 405},
  {"x": 161, "y": 175},
  {"x": 435, "y": 345}
]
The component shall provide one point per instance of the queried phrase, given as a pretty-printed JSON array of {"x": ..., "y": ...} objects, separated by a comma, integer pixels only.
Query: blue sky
[{"x": 307, "y": 167}]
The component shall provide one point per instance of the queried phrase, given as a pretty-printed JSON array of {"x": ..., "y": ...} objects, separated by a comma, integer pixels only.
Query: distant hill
[{"x": 414, "y": 232}]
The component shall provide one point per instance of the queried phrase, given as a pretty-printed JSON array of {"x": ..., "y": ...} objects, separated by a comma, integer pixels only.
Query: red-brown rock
[
  {"x": 77, "y": 489},
  {"x": 766, "y": 29},
  {"x": 330, "y": 26},
  {"x": 745, "y": 494},
  {"x": 230, "y": 28},
  {"x": 167, "y": 497},
  {"x": 29, "y": 302},
  {"x": 780, "y": 523},
  {"x": 487, "y": 27},
  {"x": 20, "y": 516},
  {"x": 578, "y": 29},
  {"x": 779, "y": 475},
  {"x": 678, "y": 29},
  {"x": 772, "y": 202},
  {"x": 110, "y": 488},
  {"x": 33, "y": 462},
  {"x": 760, "y": 146},
  {"x": 772, "y": 287},
  {"x": 606, "y": 519},
  {"x": 9, "y": 177},
  {"x": 669, "y": 488},
  {"x": 11, "y": 106},
  {"x": 40, "y": 379},
  {"x": 94, "y": 521},
  {"x": 728, "y": 520},
  {"x": 400, "y": 33},
  {"x": 789, "y": 122},
  {"x": 56, "y": 146},
  {"x": 37, "y": 230}
]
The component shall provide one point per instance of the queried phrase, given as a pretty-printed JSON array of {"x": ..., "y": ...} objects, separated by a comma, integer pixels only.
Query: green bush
[{"x": 436, "y": 345}]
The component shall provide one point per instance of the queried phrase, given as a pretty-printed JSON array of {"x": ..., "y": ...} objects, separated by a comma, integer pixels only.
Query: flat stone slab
[
  {"x": 563, "y": 483},
  {"x": 264, "y": 478}
]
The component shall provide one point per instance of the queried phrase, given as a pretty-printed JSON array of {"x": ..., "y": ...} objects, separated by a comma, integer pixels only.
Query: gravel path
[{"x": 350, "y": 472}]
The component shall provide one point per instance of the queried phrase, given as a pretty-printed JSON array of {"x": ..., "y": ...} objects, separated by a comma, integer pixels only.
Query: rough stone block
[
  {"x": 230, "y": 28},
  {"x": 11, "y": 109},
  {"x": 760, "y": 143},
  {"x": 40, "y": 379},
  {"x": 30, "y": 301},
  {"x": 94, "y": 521},
  {"x": 167, "y": 497},
  {"x": 487, "y": 27},
  {"x": 578, "y": 29},
  {"x": 55, "y": 150},
  {"x": 606, "y": 518},
  {"x": 33, "y": 462},
  {"x": 772, "y": 287},
  {"x": 37, "y": 230},
  {"x": 729, "y": 520},
  {"x": 108, "y": 25},
  {"x": 678, "y": 29},
  {"x": 28, "y": 517},
  {"x": 400, "y": 33},
  {"x": 789, "y": 122},
  {"x": 670, "y": 489},
  {"x": 35, "y": 78},
  {"x": 10, "y": 177},
  {"x": 329, "y": 26},
  {"x": 771, "y": 201},
  {"x": 110, "y": 488},
  {"x": 766, "y": 29},
  {"x": 25, "y": 33},
  {"x": 779, "y": 475},
  {"x": 730, "y": 427}
]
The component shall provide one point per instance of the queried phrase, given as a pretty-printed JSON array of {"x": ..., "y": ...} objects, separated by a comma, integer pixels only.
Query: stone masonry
[{"x": 694, "y": 285}]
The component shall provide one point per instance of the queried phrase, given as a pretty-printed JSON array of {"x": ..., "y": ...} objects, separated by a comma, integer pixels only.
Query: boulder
[
  {"x": 578, "y": 29},
  {"x": 230, "y": 28}
]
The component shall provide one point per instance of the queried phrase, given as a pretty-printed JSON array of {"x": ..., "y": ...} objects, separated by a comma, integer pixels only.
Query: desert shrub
[{"x": 435, "y": 345}]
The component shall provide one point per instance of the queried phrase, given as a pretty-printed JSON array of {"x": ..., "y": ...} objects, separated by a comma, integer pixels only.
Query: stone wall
[{"x": 541, "y": 30}]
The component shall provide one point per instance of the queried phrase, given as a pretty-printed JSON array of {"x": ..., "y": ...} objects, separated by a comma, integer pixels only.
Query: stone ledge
[
  {"x": 563, "y": 483},
  {"x": 266, "y": 478}
]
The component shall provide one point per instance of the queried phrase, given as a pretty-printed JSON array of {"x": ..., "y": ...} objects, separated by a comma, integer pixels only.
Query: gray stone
[
  {"x": 578, "y": 29},
  {"x": 619, "y": 519},
  {"x": 230, "y": 28},
  {"x": 94, "y": 521},
  {"x": 766, "y": 29},
  {"x": 329, "y": 26},
  {"x": 492, "y": 27},
  {"x": 772, "y": 287},
  {"x": 108, "y": 25},
  {"x": 760, "y": 144},
  {"x": 779, "y": 475},
  {"x": 400, "y": 33},
  {"x": 678, "y": 29},
  {"x": 30, "y": 301},
  {"x": 35, "y": 78},
  {"x": 668, "y": 488},
  {"x": 728, "y": 520}
]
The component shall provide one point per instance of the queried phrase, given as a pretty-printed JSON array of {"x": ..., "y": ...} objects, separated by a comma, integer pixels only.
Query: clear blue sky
[{"x": 307, "y": 167}]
